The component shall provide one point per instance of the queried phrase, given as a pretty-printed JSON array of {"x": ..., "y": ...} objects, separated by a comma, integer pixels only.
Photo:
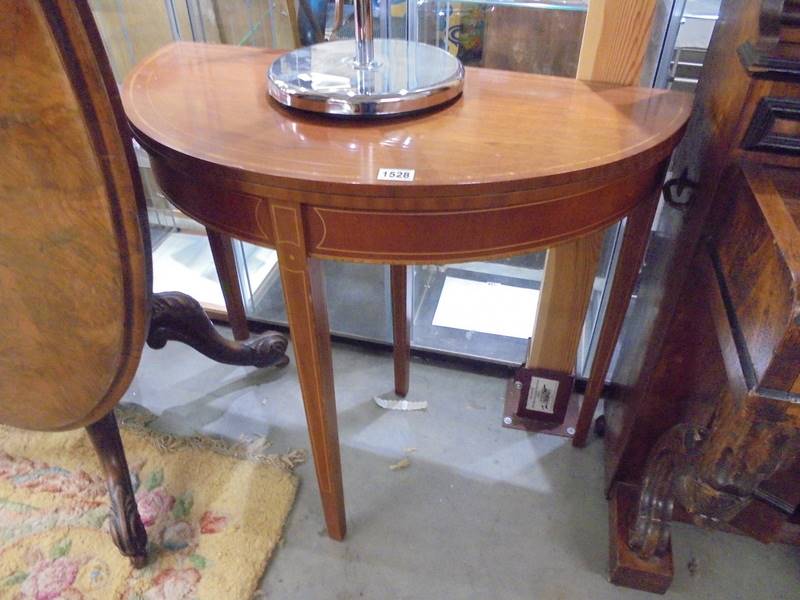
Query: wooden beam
[
  {"x": 615, "y": 40},
  {"x": 569, "y": 272}
]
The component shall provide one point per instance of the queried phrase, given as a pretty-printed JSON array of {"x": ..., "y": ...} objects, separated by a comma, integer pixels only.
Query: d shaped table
[{"x": 519, "y": 163}]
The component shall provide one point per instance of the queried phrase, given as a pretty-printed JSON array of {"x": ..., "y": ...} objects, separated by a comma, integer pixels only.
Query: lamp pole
[{"x": 365, "y": 51}]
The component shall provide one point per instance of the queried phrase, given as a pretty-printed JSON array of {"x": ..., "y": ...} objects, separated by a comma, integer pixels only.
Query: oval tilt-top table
[{"x": 519, "y": 163}]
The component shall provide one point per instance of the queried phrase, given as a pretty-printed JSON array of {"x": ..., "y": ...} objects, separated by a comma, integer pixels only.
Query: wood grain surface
[
  {"x": 615, "y": 39},
  {"x": 759, "y": 256},
  {"x": 74, "y": 265},
  {"x": 612, "y": 51},
  {"x": 569, "y": 273},
  {"x": 509, "y": 132}
]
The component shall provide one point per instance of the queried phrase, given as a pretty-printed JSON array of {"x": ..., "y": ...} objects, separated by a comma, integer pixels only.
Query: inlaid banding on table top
[
  {"x": 446, "y": 236},
  {"x": 208, "y": 103}
]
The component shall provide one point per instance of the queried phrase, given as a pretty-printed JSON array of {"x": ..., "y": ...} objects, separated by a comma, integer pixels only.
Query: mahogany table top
[{"x": 509, "y": 132}]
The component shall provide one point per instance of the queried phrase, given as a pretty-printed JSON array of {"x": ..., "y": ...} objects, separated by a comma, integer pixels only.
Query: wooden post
[
  {"x": 615, "y": 39},
  {"x": 569, "y": 272}
]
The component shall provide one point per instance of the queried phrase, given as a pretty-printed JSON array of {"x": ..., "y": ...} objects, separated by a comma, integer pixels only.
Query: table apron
[{"x": 413, "y": 237}]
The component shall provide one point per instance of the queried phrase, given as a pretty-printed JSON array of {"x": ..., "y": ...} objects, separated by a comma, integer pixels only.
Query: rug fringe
[{"x": 137, "y": 418}]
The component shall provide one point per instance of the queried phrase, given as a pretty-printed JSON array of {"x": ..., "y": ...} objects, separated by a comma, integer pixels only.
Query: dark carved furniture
[
  {"x": 527, "y": 177},
  {"x": 176, "y": 316},
  {"x": 75, "y": 268},
  {"x": 707, "y": 428}
]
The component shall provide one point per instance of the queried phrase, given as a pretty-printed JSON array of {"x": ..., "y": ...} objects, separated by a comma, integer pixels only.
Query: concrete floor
[{"x": 482, "y": 511}]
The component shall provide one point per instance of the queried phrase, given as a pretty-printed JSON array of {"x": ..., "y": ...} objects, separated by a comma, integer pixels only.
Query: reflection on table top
[{"x": 508, "y": 131}]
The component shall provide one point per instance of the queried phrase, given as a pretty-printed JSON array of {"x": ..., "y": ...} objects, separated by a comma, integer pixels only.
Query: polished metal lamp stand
[{"x": 365, "y": 76}]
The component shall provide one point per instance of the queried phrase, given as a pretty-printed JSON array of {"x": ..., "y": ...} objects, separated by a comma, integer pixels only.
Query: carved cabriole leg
[
  {"x": 750, "y": 439},
  {"x": 713, "y": 473},
  {"x": 127, "y": 530},
  {"x": 401, "y": 327},
  {"x": 304, "y": 292},
  {"x": 670, "y": 477},
  {"x": 179, "y": 317}
]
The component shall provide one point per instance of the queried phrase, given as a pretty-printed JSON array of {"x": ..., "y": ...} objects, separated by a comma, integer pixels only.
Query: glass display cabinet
[{"x": 478, "y": 310}]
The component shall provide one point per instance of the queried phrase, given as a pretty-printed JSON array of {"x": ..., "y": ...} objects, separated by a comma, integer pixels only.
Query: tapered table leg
[
  {"x": 634, "y": 244},
  {"x": 401, "y": 327},
  {"x": 304, "y": 293},
  {"x": 225, "y": 263}
]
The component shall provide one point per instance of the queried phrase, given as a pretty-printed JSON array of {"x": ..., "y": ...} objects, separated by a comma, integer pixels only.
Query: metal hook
[{"x": 679, "y": 184}]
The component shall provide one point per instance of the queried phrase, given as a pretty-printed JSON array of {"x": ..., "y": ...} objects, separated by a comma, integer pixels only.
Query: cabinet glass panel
[
  {"x": 486, "y": 309},
  {"x": 534, "y": 37},
  {"x": 693, "y": 37}
]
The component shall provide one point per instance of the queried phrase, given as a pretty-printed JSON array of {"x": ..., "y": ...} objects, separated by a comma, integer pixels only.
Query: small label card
[
  {"x": 542, "y": 395},
  {"x": 396, "y": 175}
]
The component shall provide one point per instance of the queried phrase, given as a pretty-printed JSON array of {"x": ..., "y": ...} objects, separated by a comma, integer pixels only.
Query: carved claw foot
[
  {"x": 127, "y": 529},
  {"x": 712, "y": 473},
  {"x": 180, "y": 317},
  {"x": 666, "y": 466}
]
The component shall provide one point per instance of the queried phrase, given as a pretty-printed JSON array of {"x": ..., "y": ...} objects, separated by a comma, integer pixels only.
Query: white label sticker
[
  {"x": 542, "y": 395},
  {"x": 396, "y": 174}
]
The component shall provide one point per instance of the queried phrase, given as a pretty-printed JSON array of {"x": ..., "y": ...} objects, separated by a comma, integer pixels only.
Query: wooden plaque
[{"x": 544, "y": 395}]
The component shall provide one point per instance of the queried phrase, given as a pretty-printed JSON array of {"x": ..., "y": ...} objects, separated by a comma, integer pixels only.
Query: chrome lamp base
[{"x": 399, "y": 77}]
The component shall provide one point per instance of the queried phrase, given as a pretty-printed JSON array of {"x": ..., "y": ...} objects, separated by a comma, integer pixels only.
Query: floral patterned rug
[{"x": 212, "y": 520}]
